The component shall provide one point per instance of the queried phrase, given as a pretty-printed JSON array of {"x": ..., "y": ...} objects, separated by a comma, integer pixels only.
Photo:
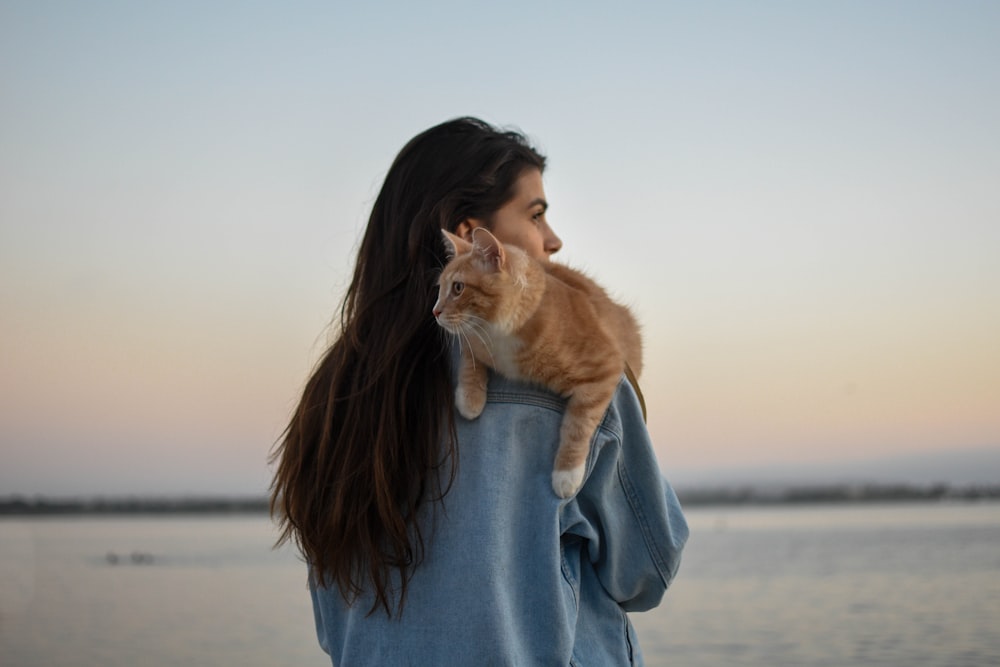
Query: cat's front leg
[
  {"x": 584, "y": 411},
  {"x": 567, "y": 482},
  {"x": 470, "y": 394}
]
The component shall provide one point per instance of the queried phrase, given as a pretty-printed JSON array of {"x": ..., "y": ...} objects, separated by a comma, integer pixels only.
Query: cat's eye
[{"x": 457, "y": 287}]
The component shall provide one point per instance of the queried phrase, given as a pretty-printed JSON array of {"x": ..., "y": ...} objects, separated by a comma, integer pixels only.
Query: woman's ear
[{"x": 464, "y": 229}]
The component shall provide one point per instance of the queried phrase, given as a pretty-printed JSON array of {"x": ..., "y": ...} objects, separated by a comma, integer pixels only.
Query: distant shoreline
[
  {"x": 837, "y": 493},
  {"x": 19, "y": 505},
  {"x": 42, "y": 506}
]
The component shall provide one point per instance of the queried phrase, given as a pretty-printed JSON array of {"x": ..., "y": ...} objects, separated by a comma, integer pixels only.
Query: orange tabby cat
[{"x": 544, "y": 323}]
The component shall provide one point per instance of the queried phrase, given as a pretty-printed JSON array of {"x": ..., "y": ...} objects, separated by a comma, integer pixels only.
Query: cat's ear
[
  {"x": 488, "y": 249},
  {"x": 454, "y": 245}
]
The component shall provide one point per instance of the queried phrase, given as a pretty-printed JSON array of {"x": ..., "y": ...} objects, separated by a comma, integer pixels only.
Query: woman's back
[{"x": 512, "y": 575}]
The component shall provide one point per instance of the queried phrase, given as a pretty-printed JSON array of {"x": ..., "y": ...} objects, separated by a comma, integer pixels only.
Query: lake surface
[{"x": 897, "y": 585}]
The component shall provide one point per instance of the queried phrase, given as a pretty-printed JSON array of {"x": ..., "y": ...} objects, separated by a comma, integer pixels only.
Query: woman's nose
[{"x": 552, "y": 242}]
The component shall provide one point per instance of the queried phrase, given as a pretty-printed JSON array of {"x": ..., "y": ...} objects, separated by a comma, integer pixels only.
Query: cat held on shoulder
[{"x": 544, "y": 323}]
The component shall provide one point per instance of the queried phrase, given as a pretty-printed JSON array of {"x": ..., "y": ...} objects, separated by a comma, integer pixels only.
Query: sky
[{"x": 800, "y": 202}]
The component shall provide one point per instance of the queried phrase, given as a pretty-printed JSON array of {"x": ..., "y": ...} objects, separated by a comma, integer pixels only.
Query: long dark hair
[{"x": 366, "y": 445}]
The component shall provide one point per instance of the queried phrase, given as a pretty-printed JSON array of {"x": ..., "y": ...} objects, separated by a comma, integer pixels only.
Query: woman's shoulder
[
  {"x": 624, "y": 411},
  {"x": 627, "y": 409},
  {"x": 502, "y": 389}
]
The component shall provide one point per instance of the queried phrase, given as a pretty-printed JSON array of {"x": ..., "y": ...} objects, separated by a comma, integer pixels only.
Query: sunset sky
[{"x": 801, "y": 201}]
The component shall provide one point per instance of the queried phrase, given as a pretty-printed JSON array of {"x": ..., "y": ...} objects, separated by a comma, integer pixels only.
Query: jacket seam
[
  {"x": 574, "y": 585},
  {"x": 550, "y": 402},
  {"x": 628, "y": 638}
]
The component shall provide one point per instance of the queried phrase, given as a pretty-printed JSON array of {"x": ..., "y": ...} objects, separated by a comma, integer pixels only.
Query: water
[
  {"x": 215, "y": 594},
  {"x": 898, "y": 585}
]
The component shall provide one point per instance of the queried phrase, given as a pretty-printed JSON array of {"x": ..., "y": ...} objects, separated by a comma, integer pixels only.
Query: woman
[{"x": 433, "y": 540}]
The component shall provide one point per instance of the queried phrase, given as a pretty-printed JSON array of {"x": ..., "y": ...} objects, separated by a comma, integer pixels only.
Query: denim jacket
[{"x": 512, "y": 574}]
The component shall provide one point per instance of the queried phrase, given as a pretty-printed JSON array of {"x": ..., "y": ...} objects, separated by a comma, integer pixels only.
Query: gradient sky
[{"x": 801, "y": 201}]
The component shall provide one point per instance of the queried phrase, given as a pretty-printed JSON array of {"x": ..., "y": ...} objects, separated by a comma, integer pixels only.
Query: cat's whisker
[
  {"x": 468, "y": 329},
  {"x": 482, "y": 326},
  {"x": 481, "y": 333},
  {"x": 464, "y": 334},
  {"x": 478, "y": 331}
]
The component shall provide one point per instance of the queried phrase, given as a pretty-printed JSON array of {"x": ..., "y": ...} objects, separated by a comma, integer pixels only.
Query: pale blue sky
[{"x": 800, "y": 200}]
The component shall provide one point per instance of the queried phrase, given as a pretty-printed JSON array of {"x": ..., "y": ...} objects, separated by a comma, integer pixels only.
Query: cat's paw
[
  {"x": 567, "y": 482},
  {"x": 470, "y": 401}
]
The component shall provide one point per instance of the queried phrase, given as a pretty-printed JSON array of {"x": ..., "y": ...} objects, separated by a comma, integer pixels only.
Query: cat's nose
[{"x": 437, "y": 311}]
